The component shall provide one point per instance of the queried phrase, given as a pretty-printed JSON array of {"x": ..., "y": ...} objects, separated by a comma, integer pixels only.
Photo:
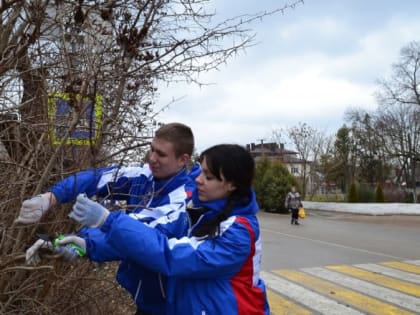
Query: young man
[{"x": 155, "y": 194}]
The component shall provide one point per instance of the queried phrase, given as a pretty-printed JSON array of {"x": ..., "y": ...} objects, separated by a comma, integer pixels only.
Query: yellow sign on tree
[{"x": 61, "y": 111}]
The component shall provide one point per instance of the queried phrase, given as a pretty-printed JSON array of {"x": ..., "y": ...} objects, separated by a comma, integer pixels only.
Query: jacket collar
[{"x": 164, "y": 187}]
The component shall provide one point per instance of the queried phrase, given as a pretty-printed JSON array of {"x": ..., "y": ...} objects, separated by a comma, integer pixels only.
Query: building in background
[{"x": 277, "y": 152}]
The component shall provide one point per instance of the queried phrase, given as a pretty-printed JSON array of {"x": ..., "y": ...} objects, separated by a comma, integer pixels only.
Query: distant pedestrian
[{"x": 293, "y": 202}]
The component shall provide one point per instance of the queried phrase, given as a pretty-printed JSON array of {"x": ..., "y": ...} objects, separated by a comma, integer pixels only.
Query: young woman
[{"x": 214, "y": 268}]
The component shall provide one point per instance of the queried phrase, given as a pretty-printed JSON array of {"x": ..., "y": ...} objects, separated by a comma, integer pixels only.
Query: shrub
[
  {"x": 365, "y": 193},
  {"x": 327, "y": 198},
  {"x": 272, "y": 183},
  {"x": 379, "y": 195},
  {"x": 353, "y": 196},
  {"x": 396, "y": 195}
]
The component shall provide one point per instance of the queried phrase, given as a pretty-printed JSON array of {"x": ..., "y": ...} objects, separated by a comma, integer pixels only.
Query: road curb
[{"x": 365, "y": 208}]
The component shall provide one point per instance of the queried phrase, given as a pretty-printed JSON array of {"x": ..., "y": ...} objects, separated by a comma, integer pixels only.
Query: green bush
[
  {"x": 379, "y": 195},
  {"x": 365, "y": 193},
  {"x": 272, "y": 183},
  {"x": 353, "y": 196},
  {"x": 327, "y": 198}
]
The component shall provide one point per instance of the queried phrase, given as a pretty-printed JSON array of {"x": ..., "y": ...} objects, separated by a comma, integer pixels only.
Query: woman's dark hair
[{"x": 236, "y": 165}]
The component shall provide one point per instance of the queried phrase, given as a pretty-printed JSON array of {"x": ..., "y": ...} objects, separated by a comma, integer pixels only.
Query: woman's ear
[{"x": 230, "y": 187}]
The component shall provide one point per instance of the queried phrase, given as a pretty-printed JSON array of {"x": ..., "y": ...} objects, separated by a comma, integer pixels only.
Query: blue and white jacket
[
  {"x": 205, "y": 275},
  {"x": 158, "y": 204}
]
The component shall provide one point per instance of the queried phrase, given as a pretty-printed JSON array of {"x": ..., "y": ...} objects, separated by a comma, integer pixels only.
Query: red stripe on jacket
[{"x": 250, "y": 299}]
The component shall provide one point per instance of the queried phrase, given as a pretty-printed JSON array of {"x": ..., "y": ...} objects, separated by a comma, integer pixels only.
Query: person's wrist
[
  {"x": 102, "y": 218},
  {"x": 51, "y": 197},
  {"x": 106, "y": 225}
]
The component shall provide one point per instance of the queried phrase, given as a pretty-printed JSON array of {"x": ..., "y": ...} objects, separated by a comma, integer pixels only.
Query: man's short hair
[{"x": 180, "y": 135}]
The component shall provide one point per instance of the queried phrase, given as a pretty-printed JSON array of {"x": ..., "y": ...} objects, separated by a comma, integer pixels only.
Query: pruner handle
[{"x": 80, "y": 251}]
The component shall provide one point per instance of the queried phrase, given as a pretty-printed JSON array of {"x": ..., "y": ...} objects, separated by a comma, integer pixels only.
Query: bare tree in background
[
  {"x": 370, "y": 151},
  {"x": 85, "y": 53},
  {"x": 402, "y": 91},
  {"x": 399, "y": 127},
  {"x": 310, "y": 145},
  {"x": 403, "y": 86},
  {"x": 322, "y": 147}
]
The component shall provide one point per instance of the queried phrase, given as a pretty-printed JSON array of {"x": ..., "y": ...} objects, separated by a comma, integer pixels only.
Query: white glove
[
  {"x": 88, "y": 212},
  {"x": 66, "y": 248},
  {"x": 32, "y": 255},
  {"x": 33, "y": 209},
  {"x": 63, "y": 247}
]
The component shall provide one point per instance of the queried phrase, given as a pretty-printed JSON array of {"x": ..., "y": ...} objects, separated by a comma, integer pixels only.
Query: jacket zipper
[
  {"x": 137, "y": 291},
  {"x": 162, "y": 290}
]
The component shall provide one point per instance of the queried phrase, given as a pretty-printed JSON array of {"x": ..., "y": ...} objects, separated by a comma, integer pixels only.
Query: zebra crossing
[{"x": 391, "y": 287}]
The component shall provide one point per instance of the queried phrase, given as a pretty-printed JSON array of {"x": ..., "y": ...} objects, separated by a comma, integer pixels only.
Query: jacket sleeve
[
  {"x": 97, "y": 248},
  {"x": 183, "y": 257},
  {"x": 170, "y": 218},
  {"x": 174, "y": 224},
  {"x": 101, "y": 182}
]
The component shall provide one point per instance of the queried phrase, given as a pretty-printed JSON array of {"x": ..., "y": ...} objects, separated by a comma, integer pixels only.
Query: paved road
[{"x": 342, "y": 264}]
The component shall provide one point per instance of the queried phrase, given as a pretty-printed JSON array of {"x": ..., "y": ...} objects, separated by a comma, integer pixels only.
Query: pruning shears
[{"x": 54, "y": 241}]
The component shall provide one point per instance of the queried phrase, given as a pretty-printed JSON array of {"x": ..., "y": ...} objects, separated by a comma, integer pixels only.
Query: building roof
[{"x": 273, "y": 150}]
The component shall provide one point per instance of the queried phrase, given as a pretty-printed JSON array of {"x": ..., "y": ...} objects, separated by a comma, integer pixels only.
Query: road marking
[
  {"x": 280, "y": 305},
  {"x": 334, "y": 244},
  {"x": 402, "y": 275},
  {"x": 382, "y": 280},
  {"x": 402, "y": 266},
  {"x": 308, "y": 298},
  {"x": 346, "y": 296},
  {"x": 368, "y": 289},
  {"x": 400, "y": 299}
]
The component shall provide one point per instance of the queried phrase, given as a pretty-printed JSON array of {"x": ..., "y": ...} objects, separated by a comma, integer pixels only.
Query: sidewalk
[{"x": 365, "y": 208}]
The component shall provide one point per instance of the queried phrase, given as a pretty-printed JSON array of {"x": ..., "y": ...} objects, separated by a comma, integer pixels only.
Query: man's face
[{"x": 162, "y": 160}]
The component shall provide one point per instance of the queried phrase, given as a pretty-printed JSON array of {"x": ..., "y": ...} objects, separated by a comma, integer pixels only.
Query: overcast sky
[{"x": 310, "y": 65}]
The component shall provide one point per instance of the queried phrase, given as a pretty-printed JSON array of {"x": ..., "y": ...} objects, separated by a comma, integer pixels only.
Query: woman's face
[{"x": 209, "y": 187}]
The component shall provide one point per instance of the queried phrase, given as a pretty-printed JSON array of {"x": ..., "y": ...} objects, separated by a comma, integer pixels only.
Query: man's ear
[{"x": 184, "y": 158}]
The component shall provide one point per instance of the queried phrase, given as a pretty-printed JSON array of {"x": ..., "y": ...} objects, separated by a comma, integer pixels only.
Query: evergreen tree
[
  {"x": 272, "y": 183},
  {"x": 353, "y": 195},
  {"x": 379, "y": 196}
]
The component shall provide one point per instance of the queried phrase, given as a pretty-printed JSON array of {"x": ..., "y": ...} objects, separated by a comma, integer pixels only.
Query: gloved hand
[
  {"x": 88, "y": 212},
  {"x": 32, "y": 255},
  {"x": 66, "y": 250},
  {"x": 33, "y": 209},
  {"x": 62, "y": 247}
]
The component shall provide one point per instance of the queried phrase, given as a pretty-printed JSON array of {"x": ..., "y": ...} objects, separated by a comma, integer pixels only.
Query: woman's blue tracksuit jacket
[{"x": 204, "y": 275}]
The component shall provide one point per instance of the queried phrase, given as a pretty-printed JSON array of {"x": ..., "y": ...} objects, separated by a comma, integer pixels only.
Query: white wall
[{"x": 365, "y": 208}]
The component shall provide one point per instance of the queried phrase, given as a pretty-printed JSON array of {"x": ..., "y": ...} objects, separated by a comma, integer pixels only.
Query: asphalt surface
[
  {"x": 328, "y": 238},
  {"x": 339, "y": 263}
]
